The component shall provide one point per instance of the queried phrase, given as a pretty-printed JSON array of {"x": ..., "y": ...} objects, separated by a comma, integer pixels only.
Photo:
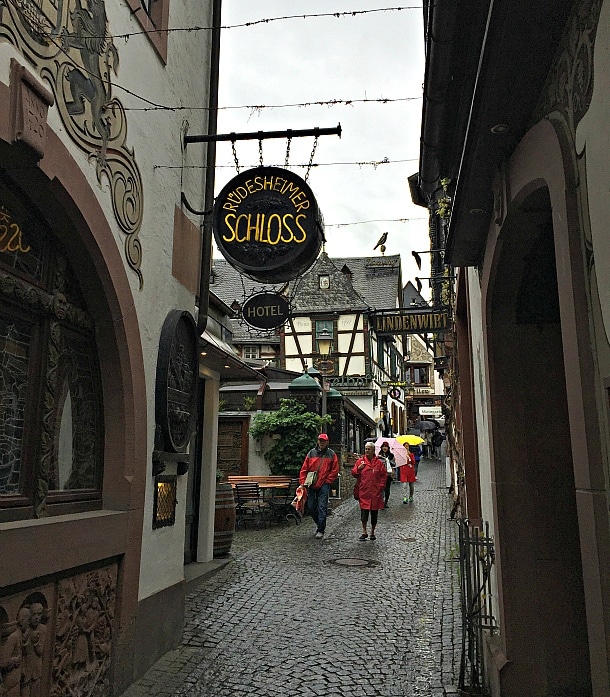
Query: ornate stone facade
[{"x": 74, "y": 52}]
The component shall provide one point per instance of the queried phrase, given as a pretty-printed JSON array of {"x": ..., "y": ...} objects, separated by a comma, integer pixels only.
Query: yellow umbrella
[{"x": 410, "y": 439}]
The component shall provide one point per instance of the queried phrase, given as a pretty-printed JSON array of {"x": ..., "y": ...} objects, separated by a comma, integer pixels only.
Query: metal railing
[{"x": 477, "y": 558}]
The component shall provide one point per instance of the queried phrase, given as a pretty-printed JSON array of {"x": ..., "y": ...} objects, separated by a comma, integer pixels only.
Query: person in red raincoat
[
  {"x": 406, "y": 475},
  {"x": 324, "y": 461},
  {"x": 371, "y": 473}
]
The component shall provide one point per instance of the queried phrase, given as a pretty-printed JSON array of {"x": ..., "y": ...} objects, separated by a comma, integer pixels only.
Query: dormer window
[{"x": 324, "y": 281}]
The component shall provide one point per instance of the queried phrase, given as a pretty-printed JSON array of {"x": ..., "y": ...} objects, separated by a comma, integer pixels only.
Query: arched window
[{"x": 51, "y": 429}]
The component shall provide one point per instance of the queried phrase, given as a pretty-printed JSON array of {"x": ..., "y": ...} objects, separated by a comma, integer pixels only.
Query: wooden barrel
[{"x": 224, "y": 520}]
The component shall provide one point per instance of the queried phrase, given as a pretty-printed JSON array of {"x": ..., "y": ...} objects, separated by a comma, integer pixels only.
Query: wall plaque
[
  {"x": 266, "y": 310},
  {"x": 268, "y": 225},
  {"x": 177, "y": 370}
]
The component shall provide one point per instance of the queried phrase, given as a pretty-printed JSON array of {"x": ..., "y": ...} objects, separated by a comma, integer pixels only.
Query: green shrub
[{"x": 297, "y": 429}]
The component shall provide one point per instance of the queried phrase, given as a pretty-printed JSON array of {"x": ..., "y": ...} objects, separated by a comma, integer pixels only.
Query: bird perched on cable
[{"x": 381, "y": 242}]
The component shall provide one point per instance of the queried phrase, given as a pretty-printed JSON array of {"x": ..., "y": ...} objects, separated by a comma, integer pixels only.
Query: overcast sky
[{"x": 369, "y": 56}]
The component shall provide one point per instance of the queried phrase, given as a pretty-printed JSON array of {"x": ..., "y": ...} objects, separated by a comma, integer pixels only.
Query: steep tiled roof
[
  {"x": 377, "y": 279},
  {"x": 410, "y": 297},
  {"x": 356, "y": 283},
  {"x": 307, "y": 296}
]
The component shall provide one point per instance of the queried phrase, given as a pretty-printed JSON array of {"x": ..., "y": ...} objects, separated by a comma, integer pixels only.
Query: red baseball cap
[{"x": 323, "y": 436}]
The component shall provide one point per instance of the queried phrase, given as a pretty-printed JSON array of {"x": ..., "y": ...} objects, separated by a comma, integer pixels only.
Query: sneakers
[
  {"x": 405, "y": 500},
  {"x": 411, "y": 499},
  {"x": 319, "y": 535},
  {"x": 372, "y": 538},
  {"x": 363, "y": 537}
]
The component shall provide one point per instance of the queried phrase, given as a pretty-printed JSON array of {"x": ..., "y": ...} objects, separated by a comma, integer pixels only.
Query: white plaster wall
[
  {"x": 356, "y": 365},
  {"x": 347, "y": 322},
  {"x": 209, "y": 451},
  {"x": 302, "y": 324},
  {"x": 290, "y": 344},
  {"x": 306, "y": 344},
  {"x": 155, "y": 137},
  {"x": 257, "y": 465},
  {"x": 344, "y": 341},
  {"x": 480, "y": 395},
  {"x": 593, "y": 142},
  {"x": 294, "y": 364}
]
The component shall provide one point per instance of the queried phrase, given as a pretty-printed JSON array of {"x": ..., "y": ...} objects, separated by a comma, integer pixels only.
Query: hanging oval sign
[
  {"x": 266, "y": 310},
  {"x": 268, "y": 225},
  {"x": 394, "y": 393}
]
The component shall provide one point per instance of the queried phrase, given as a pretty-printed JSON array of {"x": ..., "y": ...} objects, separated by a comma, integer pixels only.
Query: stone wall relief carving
[
  {"x": 57, "y": 640},
  {"x": 73, "y": 50},
  {"x": 24, "y": 644}
]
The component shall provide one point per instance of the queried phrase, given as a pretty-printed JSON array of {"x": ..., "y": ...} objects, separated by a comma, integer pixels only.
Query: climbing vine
[{"x": 294, "y": 431}]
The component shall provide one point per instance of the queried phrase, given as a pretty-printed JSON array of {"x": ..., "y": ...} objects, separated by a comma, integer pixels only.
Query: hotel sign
[
  {"x": 267, "y": 224},
  {"x": 409, "y": 322},
  {"x": 265, "y": 310}
]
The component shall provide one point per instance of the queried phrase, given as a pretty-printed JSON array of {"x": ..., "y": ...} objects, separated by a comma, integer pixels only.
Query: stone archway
[
  {"x": 104, "y": 545},
  {"x": 542, "y": 604}
]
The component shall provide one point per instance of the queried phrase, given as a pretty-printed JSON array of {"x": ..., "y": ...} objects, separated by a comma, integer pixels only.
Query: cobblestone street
[{"x": 283, "y": 618}]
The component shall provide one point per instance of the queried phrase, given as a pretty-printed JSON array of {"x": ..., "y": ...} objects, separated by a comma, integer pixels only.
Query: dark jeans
[
  {"x": 317, "y": 502},
  {"x": 388, "y": 486}
]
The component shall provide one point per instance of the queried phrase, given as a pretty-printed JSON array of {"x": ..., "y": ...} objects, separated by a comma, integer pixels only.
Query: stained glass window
[
  {"x": 15, "y": 337},
  {"x": 51, "y": 430}
]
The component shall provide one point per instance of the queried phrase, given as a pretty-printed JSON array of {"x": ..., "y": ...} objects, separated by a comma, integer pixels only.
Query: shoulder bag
[{"x": 312, "y": 477}]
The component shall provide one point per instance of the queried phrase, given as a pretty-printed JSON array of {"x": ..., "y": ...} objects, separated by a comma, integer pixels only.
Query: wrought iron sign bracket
[
  {"x": 263, "y": 135},
  {"x": 160, "y": 458}
]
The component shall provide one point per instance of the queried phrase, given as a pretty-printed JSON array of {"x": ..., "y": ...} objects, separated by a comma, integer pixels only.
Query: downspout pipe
[
  {"x": 210, "y": 161},
  {"x": 439, "y": 44}
]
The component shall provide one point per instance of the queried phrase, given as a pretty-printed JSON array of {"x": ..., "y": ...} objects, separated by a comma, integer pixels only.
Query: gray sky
[{"x": 369, "y": 56}]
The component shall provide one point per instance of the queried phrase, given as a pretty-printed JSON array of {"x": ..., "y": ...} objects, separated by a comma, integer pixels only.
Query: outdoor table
[{"x": 273, "y": 485}]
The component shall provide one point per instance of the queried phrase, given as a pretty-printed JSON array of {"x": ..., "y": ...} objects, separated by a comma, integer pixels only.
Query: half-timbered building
[{"x": 334, "y": 299}]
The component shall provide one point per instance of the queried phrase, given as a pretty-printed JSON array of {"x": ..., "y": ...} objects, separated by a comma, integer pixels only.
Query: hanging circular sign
[
  {"x": 176, "y": 384},
  {"x": 268, "y": 225},
  {"x": 265, "y": 310},
  {"x": 394, "y": 393}
]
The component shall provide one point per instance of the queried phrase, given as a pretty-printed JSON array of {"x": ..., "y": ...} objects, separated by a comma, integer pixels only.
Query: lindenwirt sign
[
  {"x": 268, "y": 225},
  {"x": 401, "y": 322}
]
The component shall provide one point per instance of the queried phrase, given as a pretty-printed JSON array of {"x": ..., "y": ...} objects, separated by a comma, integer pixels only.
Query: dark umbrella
[{"x": 426, "y": 425}]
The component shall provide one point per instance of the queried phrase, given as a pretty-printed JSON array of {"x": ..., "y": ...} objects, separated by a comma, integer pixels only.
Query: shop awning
[{"x": 220, "y": 357}]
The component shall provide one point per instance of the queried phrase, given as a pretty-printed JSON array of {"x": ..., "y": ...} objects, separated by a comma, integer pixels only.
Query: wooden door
[{"x": 233, "y": 445}]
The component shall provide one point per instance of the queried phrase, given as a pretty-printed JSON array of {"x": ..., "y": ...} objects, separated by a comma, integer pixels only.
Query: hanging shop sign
[
  {"x": 266, "y": 310},
  {"x": 441, "y": 362},
  {"x": 176, "y": 382},
  {"x": 433, "y": 411},
  {"x": 401, "y": 322},
  {"x": 268, "y": 225},
  {"x": 346, "y": 381}
]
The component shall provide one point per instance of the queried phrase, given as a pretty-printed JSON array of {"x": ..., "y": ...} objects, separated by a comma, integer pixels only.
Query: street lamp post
[{"x": 325, "y": 341}]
